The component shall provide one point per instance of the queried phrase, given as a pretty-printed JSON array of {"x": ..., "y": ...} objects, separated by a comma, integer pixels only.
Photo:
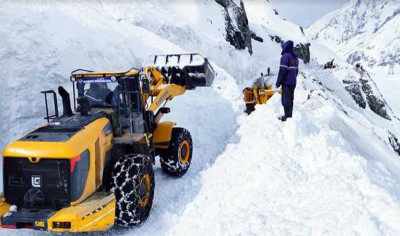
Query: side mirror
[
  {"x": 164, "y": 110},
  {"x": 160, "y": 112}
]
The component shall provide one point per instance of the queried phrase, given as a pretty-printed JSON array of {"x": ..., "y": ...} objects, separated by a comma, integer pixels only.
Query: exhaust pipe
[{"x": 67, "y": 111}]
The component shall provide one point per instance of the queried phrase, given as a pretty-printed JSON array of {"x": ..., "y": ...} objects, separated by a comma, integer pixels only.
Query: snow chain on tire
[
  {"x": 176, "y": 159},
  {"x": 132, "y": 182}
]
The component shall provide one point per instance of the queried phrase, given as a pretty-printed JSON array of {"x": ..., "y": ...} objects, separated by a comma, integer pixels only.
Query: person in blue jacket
[{"x": 287, "y": 77}]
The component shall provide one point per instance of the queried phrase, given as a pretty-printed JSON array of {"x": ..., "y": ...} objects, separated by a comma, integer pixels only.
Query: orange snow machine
[{"x": 260, "y": 93}]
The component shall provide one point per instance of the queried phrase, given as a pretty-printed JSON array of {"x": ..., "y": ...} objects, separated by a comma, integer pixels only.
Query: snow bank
[{"x": 299, "y": 177}]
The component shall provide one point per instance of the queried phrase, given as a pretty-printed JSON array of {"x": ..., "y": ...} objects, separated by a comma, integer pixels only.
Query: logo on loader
[
  {"x": 36, "y": 181},
  {"x": 39, "y": 223}
]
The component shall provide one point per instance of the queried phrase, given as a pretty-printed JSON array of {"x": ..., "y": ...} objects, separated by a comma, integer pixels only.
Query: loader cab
[
  {"x": 100, "y": 94},
  {"x": 117, "y": 94}
]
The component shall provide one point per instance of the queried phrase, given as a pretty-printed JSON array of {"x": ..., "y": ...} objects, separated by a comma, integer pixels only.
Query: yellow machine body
[
  {"x": 162, "y": 134},
  {"x": 94, "y": 214},
  {"x": 4, "y": 207},
  {"x": 90, "y": 138},
  {"x": 257, "y": 95},
  {"x": 93, "y": 210},
  {"x": 69, "y": 158}
]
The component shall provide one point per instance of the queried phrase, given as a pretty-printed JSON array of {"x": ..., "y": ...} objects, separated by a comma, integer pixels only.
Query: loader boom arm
[{"x": 160, "y": 88}]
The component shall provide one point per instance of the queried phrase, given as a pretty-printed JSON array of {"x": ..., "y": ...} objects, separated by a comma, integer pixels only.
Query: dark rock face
[
  {"x": 302, "y": 31},
  {"x": 257, "y": 38},
  {"x": 365, "y": 91},
  {"x": 303, "y": 52},
  {"x": 238, "y": 32},
  {"x": 375, "y": 103},
  {"x": 394, "y": 142},
  {"x": 354, "y": 88},
  {"x": 276, "y": 39}
]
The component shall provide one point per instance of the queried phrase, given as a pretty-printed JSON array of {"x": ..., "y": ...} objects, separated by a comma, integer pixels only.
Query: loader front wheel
[
  {"x": 132, "y": 182},
  {"x": 176, "y": 159}
]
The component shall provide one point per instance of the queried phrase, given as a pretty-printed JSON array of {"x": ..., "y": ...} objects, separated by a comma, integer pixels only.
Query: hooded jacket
[{"x": 289, "y": 65}]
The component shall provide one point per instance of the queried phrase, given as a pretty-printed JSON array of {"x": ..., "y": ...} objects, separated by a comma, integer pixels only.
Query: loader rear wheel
[
  {"x": 176, "y": 159},
  {"x": 132, "y": 182}
]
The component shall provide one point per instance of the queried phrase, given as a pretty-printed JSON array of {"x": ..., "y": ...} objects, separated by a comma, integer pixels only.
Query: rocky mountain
[
  {"x": 366, "y": 31},
  {"x": 240, "y": 34},
  {"x": 367, "y": 34},
  {"x": 364, "y": 91}
]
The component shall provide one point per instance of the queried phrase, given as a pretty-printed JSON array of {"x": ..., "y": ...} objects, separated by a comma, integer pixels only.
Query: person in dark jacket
[{"x": 287, "y": 77}]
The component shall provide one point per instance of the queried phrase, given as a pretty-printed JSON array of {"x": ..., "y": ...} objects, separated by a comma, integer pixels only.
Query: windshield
[{"x": 100, "y": 93}]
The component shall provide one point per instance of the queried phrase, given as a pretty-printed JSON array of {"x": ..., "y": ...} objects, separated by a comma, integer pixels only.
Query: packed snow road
[{"x": 211, "y": 119}]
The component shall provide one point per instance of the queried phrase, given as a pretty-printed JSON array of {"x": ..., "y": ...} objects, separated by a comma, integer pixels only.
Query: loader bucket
[{"x": 190, "y": 70}]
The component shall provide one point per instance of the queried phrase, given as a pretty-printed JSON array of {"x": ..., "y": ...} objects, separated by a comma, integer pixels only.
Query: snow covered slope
[
  {"x": 304, "y": 176},
  {"x": 363, "y": 31},
  {"x": 329, "y": 170},
  {"x": 266, "y": 24},
  {"x": 45, "y": 42}
]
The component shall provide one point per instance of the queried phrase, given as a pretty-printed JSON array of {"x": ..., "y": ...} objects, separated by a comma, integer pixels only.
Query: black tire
[
  {"x": 132, "y": 182},
  {"x": 176, "y": 159}
]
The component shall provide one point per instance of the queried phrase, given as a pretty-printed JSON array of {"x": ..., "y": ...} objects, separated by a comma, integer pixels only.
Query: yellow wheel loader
[
  {"x": 260, "y": 93},
  {"x": 91, "y": 169}
]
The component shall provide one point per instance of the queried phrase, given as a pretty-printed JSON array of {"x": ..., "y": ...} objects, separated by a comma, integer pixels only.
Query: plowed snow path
[{"x": 211, "y": 121}]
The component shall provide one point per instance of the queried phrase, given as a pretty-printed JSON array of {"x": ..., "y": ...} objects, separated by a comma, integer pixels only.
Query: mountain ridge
[{"x": 347, "y": 28}]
